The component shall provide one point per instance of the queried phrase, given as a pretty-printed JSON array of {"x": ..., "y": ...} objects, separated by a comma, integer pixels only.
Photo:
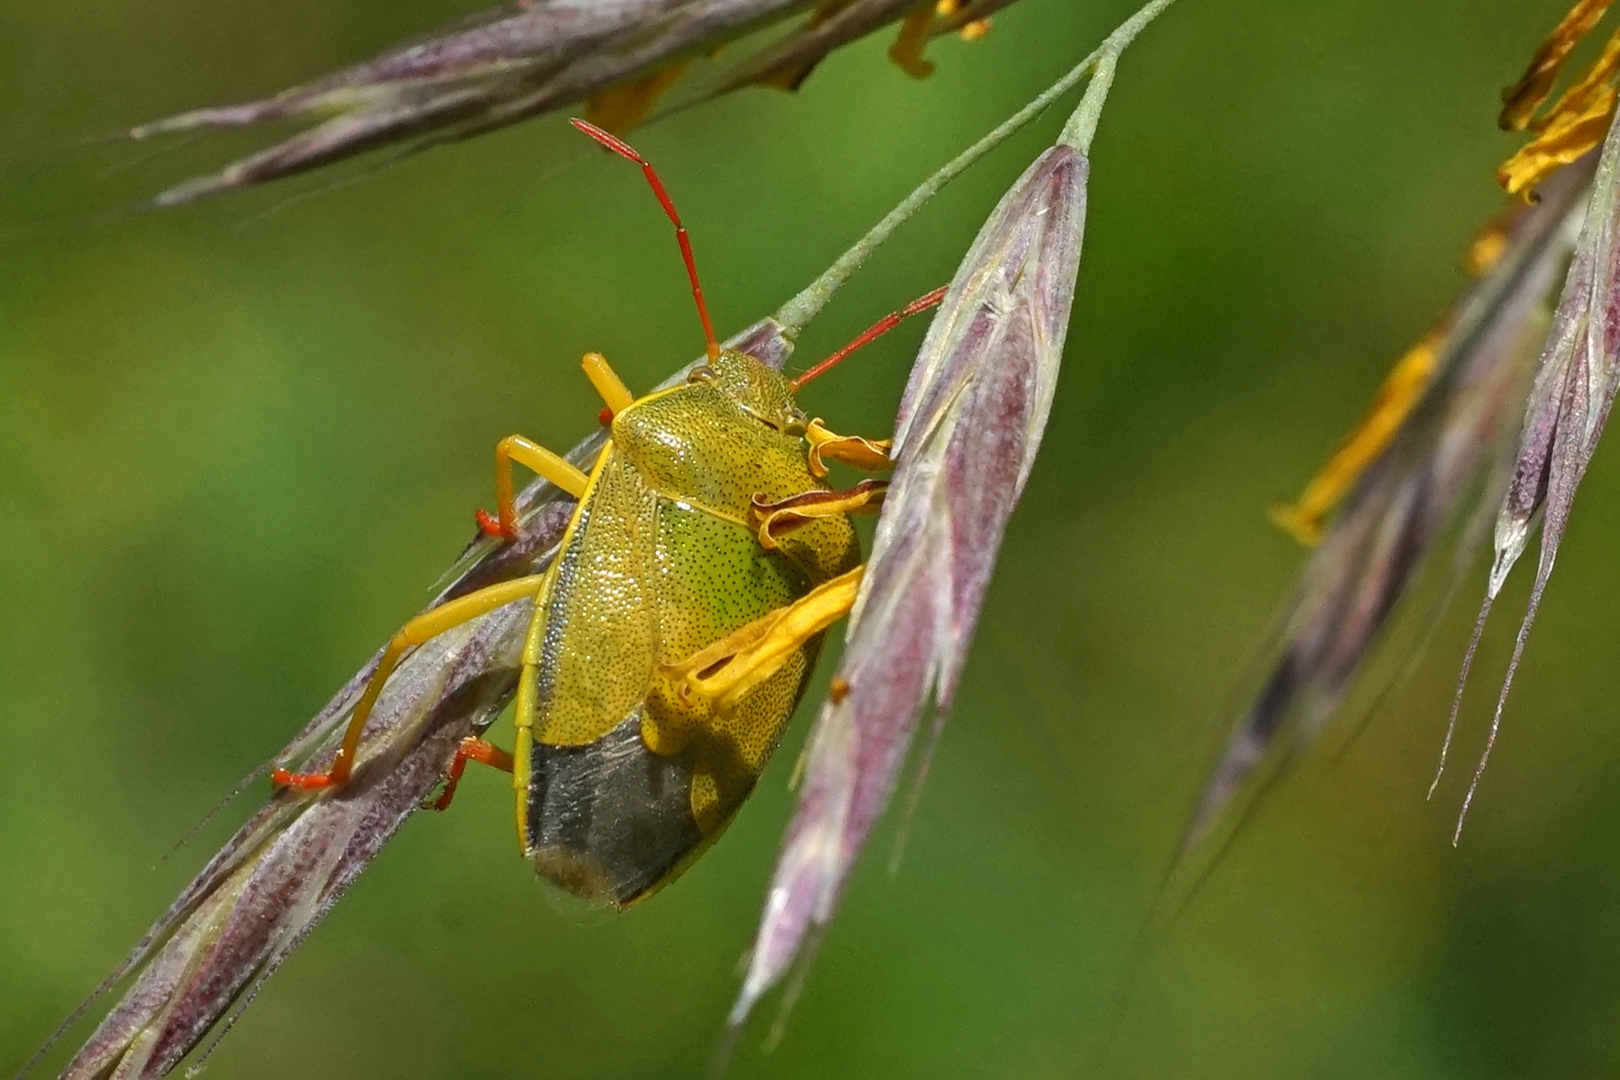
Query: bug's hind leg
[
  {"x": 424, "y": 627},
  {"x": 726, "y": 671},
  {"x": 471, "y": 749},
  {"x": 538, "y": 460}
]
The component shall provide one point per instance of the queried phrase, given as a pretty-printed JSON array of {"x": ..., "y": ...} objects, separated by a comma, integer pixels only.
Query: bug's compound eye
[
  {"x": 703, "y": 373},
  {"x": 795, "y": 423}
]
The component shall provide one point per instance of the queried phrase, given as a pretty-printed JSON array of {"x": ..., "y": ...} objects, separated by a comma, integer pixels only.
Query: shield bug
[{"x": 675, "y": 630}]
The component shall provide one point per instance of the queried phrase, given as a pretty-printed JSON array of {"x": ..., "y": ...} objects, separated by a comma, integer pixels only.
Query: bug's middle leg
[
  {"x": 538, "y": 460},
  {"x": 472, "y": 748}
]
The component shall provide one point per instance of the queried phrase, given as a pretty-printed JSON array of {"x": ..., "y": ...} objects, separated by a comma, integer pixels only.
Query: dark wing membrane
[{"x": 611, "y": 820}]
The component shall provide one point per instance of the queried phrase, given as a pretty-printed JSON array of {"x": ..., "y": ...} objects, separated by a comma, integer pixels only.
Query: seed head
[
  {"x": 968, "y": 429},
  {"x": 527, "y": 59}
]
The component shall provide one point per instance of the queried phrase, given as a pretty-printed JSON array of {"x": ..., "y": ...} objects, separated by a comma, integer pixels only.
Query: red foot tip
[{"x": 490, "y": 525}]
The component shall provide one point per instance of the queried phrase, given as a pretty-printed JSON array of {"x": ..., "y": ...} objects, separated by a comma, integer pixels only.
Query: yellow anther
[
  {"x": 1487, "y": 246},
  {"x": 623, "y": 107},
  {"x": 1399, "y": 393},
  {"x": 1578, "y": 121},
  {"x": 915, "y": 30},
  {"x": 973, "y": 29},
  {"x": 790, "y": 76},
  {"x": 1576, "y": 126},
  {"x": 1523, "y": 98}
]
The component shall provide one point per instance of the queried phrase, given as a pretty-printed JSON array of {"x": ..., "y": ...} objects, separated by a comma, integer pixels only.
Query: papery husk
[
  {"x": 1576, "y": 381},
  {"x": 615, "y": 58},
  {"x": 1445, "y": 457},
  {"x": 966, "y": 436}
]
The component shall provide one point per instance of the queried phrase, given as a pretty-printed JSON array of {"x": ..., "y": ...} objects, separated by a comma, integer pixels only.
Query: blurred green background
[{"x": 238, "y": 442}]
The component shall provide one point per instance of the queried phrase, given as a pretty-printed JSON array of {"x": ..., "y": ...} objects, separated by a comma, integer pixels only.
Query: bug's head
[{"x": 757, "y": 390}]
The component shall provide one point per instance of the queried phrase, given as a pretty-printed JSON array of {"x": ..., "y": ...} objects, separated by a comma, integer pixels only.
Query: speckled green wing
[
  {"x": 627, "y": 777},
  {"x": 600, "y": 610}
]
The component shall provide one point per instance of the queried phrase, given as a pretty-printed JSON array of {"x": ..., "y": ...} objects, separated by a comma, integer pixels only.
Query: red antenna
[
  {"x": 625, "y": 150},
  {"x": 878, "y": 329}
]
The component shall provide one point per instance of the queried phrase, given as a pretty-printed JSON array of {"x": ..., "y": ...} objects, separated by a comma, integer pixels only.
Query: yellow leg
[
  {"x": 471, "y": 749},
  {"x": 776, "y": 519},
  {"x": 727, "y": 670},
  {"x": 538, "y": 460},
  {"x": 423, "y": 628},
  {"x": 615, "y": 395},
  {"x": 868, "y": 455},
  {"x": 791, "y": 76}
]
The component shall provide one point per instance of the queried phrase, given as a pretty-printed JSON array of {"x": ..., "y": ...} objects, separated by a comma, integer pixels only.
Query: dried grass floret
[
  {"x": 1405, "y": 480},
  {"x": 1574, "y": 389},
  {"x": 500, "y": 67},
  {"x": 969, "y": 426}
]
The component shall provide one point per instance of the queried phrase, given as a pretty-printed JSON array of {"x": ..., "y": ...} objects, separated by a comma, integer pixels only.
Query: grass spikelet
[
  {"x": 1427, "y": 469},
  {"x": 202, "y": 963},
  {"x": 524, "y": 60},
  {"x": 1575, "y": 385},
  {"x": 968, "y": 429}
]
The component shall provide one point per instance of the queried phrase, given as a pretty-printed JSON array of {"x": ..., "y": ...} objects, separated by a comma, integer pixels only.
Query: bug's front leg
[
  {"x": 542, "y": 462},
  {"x": 867, "y": 455}
]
